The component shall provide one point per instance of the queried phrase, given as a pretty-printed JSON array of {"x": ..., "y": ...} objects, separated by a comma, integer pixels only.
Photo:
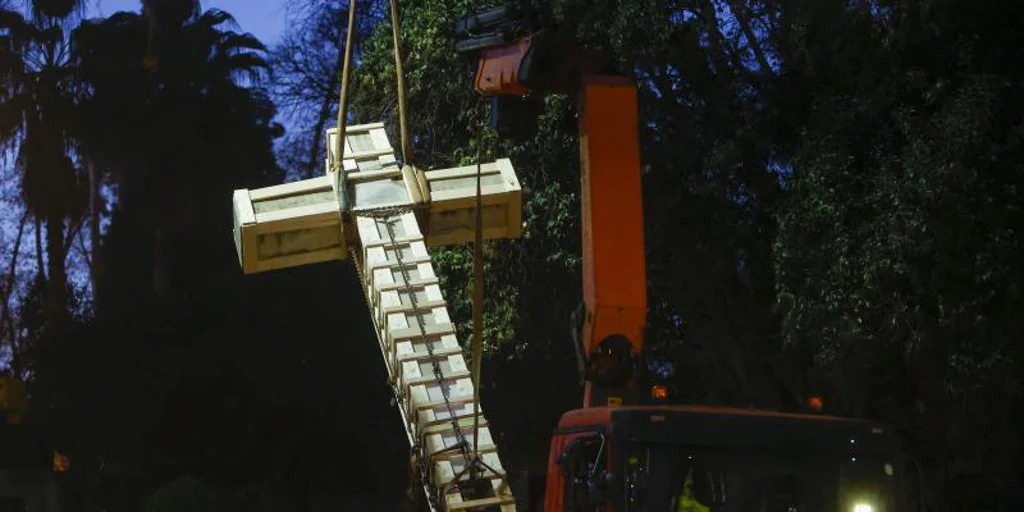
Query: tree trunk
[
  {"x": 40, "y": 266},
  {"x": 739, "y": 10},
  {"x": 710, "y": 16},
  {"x": 57, "y": 282}
]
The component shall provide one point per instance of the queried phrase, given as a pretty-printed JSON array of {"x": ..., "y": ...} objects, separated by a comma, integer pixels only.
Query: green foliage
[{"x": 898, "y": 244}]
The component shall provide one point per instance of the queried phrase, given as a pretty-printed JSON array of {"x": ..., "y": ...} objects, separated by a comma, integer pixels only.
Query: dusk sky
[{"x": 263, "y": 18}]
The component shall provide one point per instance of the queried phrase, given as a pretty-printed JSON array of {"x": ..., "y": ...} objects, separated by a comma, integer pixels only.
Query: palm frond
[
  {"x": 213, "y": 18},
  {"x": 234, "y": 41},
  {"x": 245, "y": 62},
  {"x": 100, "y": 45},
  {"x": 48, "y": 175},
  {"x": 252, "y": 76},
  {"x": 9, "y": 18},
  {"x": 11, "y": 118},
  {"x": 57, "y": 9},
  {"x": 15, "y": 31}
]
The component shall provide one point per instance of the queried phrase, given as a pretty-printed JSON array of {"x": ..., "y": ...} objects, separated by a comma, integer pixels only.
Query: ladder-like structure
[{"x": 425, "y": 363}]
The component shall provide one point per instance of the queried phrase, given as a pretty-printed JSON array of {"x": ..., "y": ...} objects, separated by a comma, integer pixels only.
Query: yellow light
[
  {"x": 659, "y": 392},
  {"x": 60, "y": 462},
  {"x": 863, "y": 507}
]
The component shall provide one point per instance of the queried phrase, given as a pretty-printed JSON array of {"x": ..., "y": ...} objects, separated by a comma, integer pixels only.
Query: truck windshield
[{"x": 673, "y": 478}]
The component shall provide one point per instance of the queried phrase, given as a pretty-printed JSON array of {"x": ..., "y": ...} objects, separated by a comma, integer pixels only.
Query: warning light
[
  {"x": 659, "y": 392},
  {"x": 816, "y": 403}
]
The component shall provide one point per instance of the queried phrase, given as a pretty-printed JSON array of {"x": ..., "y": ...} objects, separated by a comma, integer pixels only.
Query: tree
[
  {"x": 39, "y": 97},
  {"x": 308, "y": 64},
  {"x": 168, "y": 114},
  {"x": 248, "y": 405},
  {"x": 57, "y": 9},
  {"x": 896, "y": 248}
]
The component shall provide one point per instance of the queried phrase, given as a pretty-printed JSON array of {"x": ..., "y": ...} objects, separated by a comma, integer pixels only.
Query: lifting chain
[
  {"x": 461, "y": 444},
  {"x": 387, "y": 216}
]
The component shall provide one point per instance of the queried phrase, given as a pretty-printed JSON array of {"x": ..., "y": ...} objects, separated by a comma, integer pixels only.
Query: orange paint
[
  {"x": 614, "y": 273},
  {"x": 498, "y": 71}
]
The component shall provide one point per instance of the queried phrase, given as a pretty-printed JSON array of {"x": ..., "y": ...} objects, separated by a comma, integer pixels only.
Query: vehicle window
[{"x": 681, "y": 479}]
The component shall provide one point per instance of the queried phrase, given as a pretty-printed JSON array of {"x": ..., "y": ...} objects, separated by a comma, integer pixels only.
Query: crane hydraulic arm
[
  {"x": 614, "y": 277},
  {"x": 517, "y": 59}
]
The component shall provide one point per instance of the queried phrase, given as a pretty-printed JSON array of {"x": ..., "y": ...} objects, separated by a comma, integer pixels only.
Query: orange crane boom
[
  {"x": 614, "y": 265},
  {"x": 614, "y": 272}
]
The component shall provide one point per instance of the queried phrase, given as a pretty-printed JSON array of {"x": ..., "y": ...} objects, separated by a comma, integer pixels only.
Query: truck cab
[{"x": 712, "y": 459}]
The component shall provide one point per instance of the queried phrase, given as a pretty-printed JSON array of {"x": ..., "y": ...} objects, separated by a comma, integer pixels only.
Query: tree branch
[
  {"x": 325, "y": 113},
  {"x": 8, "y": 288},
  {"x": 72, "y": 234},
  {"x": 709, "y": 15},
  {"x": 86, "y": 253},
  {"x": 740, "y": 11},
  {"x": 41, "y": 268}
]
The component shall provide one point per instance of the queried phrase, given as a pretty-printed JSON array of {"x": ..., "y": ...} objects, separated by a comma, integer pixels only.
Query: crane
[{"x": 626, "y": 449}]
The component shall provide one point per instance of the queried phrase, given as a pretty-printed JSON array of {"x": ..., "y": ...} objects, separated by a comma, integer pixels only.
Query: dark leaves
[{"x": 57, "y": 8}]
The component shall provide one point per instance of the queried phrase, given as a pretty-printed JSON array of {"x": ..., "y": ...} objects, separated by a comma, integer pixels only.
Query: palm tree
[
  {"x": 38, "y": 100},
  {"x": 88, "y": 96},
  {"x": 158, "y": 82}
]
